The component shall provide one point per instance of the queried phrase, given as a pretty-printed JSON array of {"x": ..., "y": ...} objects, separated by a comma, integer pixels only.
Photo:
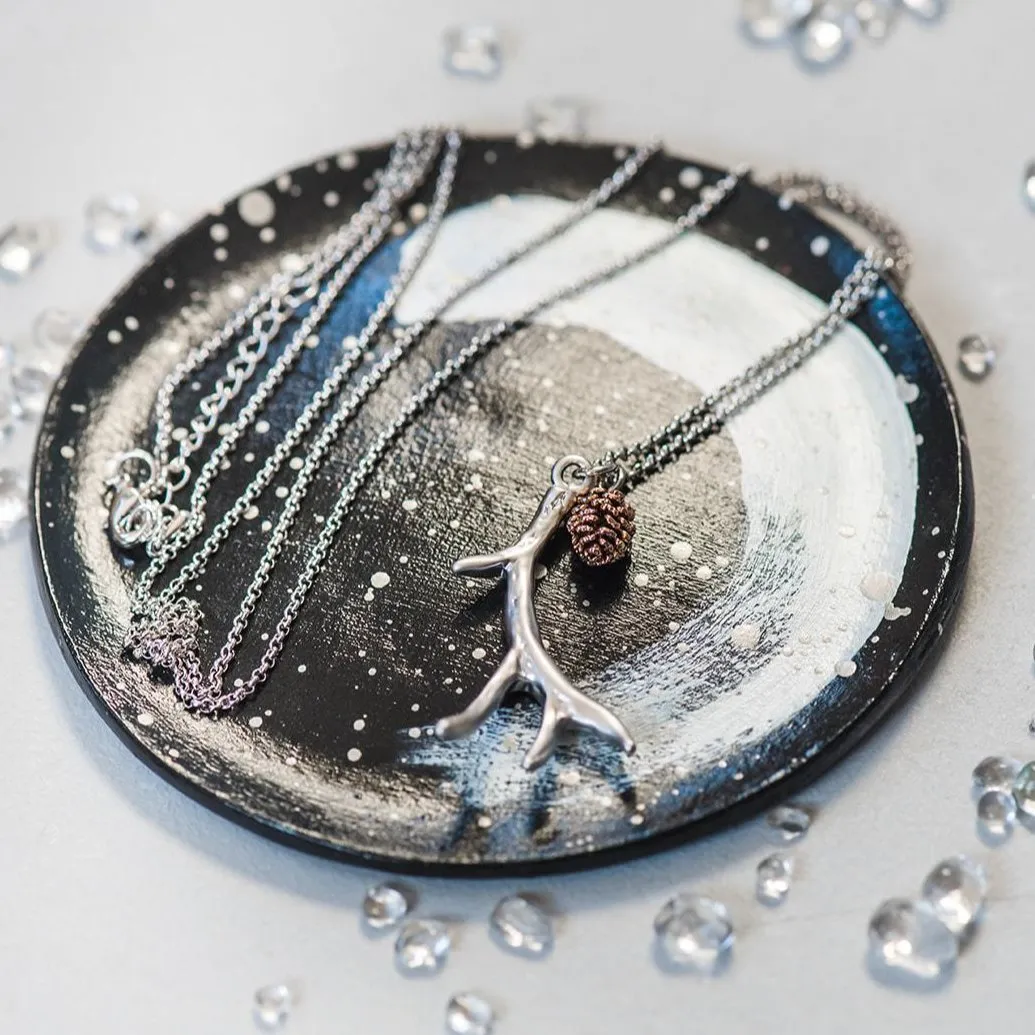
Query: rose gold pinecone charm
[{"x": 601, "y": 527}]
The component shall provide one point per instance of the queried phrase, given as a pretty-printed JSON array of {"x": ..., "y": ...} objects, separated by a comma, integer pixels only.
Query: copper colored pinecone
[{"x": 601, "y": 527}]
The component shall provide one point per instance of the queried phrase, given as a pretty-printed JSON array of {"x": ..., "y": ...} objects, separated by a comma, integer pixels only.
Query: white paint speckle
[
  {"x": 218, "y": 232},
  {"x": 846, "y": 531},
  {"x": 907, "y": 391},
  {"x": 256, "y": 208},
  {"x": 666, "y": 195},
  {"x": 478, "y": 653},
  {"x": 484, "y": 822},
  {"x": 762, "y": 244},
  {"x": 846, "y": 668},
  {"x": 409, "y": 505},
  {"x": 255, "y": 721},
  {"x": 380, "y": 579},
  {"x": 893, "y": 613},
  {"x": 641, "y": 580},
  {"x": 145, "y": 719},
  {"x": 68, "y": 452},
  {"x": 704, "y": 572},
  {"x": 878, "y": 586},
  {"x": 680, "y": 551},
  {"x": 690, "y": 177},
  {"x": 414, "y": 732},
  {"x": 819, "y": 246},
  {"x": 114, "y": 337},
  {"x": 354, "y": 754},
  {"x": 359, "y": 725},
  {"x": 746, "y": 636}
]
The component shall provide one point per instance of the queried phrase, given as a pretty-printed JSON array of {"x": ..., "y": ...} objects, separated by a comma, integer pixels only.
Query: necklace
[
  {"x": 141, "y": 484},
  {"x": 165, "y": 628}
]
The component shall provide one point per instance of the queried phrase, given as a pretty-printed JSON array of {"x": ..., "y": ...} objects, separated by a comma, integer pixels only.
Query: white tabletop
[{"x": 125, "y": 907}]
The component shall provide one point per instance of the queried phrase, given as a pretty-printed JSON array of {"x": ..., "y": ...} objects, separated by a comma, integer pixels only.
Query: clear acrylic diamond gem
[
  {"x": 826, "y": 35},
  {"x": 876, "y": 17},
  {"x": 788, "y": 822},
  {"x": 14, "y": 502},
  {"x": 908, "y": 936},
  {"x": 956, "y": 890},
  {"x": 469, "y": 1014},
  {"x": 114, "y": 220},
  {"x": 474, "y": 51},
  {"x": 385, "y": 906},
  {"x": 22, "y": 248},
  {"x": 995, "y": 773},
  {"x": 771, "y": 21},
  {"x": 773, "y": 879},
  {"x": 557, "y": 118},
  {"x": 272, "y": 1007},
  {"x": 695, "y": 932},
  {"x": 929, "y": 10},
  {"x": 422, "y": 947},
  {"x": 996, "y": 814},
  {"x": 56, "y": 329},
  {"x": 1024, "y": 790},
  {"x": 522, "y": 926},
  {"x": 977, "y": 357}
]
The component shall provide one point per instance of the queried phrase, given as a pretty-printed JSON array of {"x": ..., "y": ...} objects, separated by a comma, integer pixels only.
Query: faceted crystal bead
[
  {"x": 114, "y": 220},
  {"x": 694, "y": 931},
  {"x": 33, "y": 374},
  {"x": 995, "y": 773},
  {"x": 56, "y": 329},
  {"x": 14, "y": 502},
  {"x": 9, "y": 408},
  {"x": 22, "y": 248},
  {"x": 1024, "y": 790},
  {"x": 788, "y": 822},
  {"x": 908, "y": 936},
  {"x": 272, "y": 1007},
  {"x": 422, "y": 947},
  {"x": 384, "y": 906},
  {"x": 929, "y": 10},
  {"x": 771, "y": 21},
  {"x": 469, "y": 1014},
  {"x": 976, "y": 357},
  {"x": 773, "y": 879},
  {"x": 557, "y": 118},
  {"x": 474, "y": 51},
  {"x": 827, "y": 34},
  {"x": 521, "y": 926},
  {"x": 876, "y": 17},
  {"x": 956, "y": 890},
  {"x": 997, "y": 814}
]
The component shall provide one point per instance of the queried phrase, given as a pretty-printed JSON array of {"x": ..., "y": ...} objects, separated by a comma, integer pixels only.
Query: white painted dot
[
  {"x": 303, "y": 668},
  {"x": 746, "y": 636},
  {"x": 331, "y": 198},
  {"x": 414, "y": 732},
  {"x": 262, "y": 427},
  {"x": 371, "y": 671},
  {"x": 680, "y": 551},
  {"x": 114, "y": 337},
  {"x": 478, "y": 653},
  {"x": 67, "y": 452},
  {"x": 526, "y": 138},
  {"x": 354, "y": 754},
  {"x": 291, "y": 760},
  {"x": 251, "y": 513},
  {"x": 145, "y": 719},
  {"x": 255, "y": 721},
  {"x": 636, "y": 820},
  {"x": 409, "y": 505},
  {"x": 132, "y": 323},
  {"x": 347, "y": 160},
  {"x": 418, "y": 212},
  {"x": 704, "y": 572},
  {"x": 484, "y": 822},
  {"x": 219, "y": 232},
  {"x": 283, "y": 182},
  {"x": 380, "y": 579},
  {"x": 819, "y": 246},
  {"x": 267, "y": 234},
  {"x": 690, "y": 177},
  {"x": 845, "y": 668},
  {"x": 220, "y": 254},
  {"x": 666, "y": 195},
  {"x": 359, "y": 725},
  {"x": 641, "y": 580},
  {"x": 762, "y": 244},
  {"x": 256, "y": 208}
]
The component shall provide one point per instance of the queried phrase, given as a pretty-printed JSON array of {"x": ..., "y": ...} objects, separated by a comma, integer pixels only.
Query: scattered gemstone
[
  {"x": 474, "y": 51},
  {"x": 876, "y": 17},
  {"x": 9, "y": 408},
  {"x": 1029, "y": 184},
  {"x": 384, "y": 906},
  {"x": 929, "y": 10},
  {"x": 908, "y": 937},
  {"x": 773, "y": 879},
  {"x": 1024, "y": 790},
  {"x": 113, "y": 221},
  {"x": 826, "y": 35},
  {"x": 522, "y": 926},
  {"x": 557, "y": 118},
  {"x": 469, "y": 1014},
  {"x": 272, "y": 1007},
  {"x": 997, "y": 814},
  {"x": 977, "y": 357},
  {"x": 56, "y": 329},
  {"x": 995, "y": 773},
  {"x": 14, "y": 502},
  {"x": 789, "y": 822},
  {"x": 157, "y": 231},
  {"x": 956, "y": 890},
  {"x": 694, "y": 931},
  {"x": 34, "y": 372},
  {"x": 22, "y": 248},
  {"x": 771, "y": 21},
  {"x": 422, "y": 947}
]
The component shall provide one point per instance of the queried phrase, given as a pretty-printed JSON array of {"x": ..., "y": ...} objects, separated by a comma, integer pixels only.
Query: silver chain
[{"x": 166, "y": 626}]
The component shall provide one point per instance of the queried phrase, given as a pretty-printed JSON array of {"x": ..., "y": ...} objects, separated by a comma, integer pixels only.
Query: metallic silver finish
[{"x": 526, "y": 663}]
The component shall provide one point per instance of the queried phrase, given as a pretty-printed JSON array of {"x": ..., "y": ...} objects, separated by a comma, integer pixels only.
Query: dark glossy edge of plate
[{"x": 896, "y": 687}]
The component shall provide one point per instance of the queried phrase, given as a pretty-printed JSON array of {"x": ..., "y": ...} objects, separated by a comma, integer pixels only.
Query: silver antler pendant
[{"x": 526, "y": 662}]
